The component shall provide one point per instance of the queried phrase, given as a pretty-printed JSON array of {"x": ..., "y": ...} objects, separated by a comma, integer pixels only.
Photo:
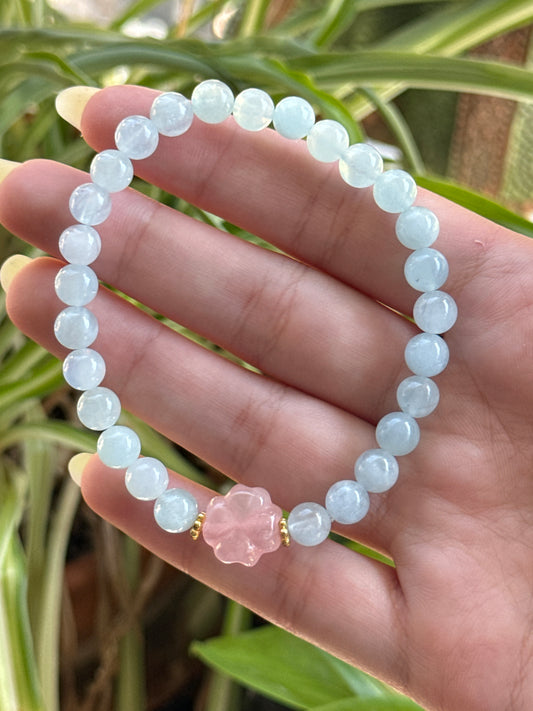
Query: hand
[{"x": 452, "y": 624}]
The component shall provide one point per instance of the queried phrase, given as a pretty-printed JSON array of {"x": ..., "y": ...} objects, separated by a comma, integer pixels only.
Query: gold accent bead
[
  {"x": 197, "y": 526},
  {"x": 285, "y": 538}
]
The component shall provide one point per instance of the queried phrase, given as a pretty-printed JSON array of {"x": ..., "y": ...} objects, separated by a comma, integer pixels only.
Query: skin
[{"x": 451, "y": 624}]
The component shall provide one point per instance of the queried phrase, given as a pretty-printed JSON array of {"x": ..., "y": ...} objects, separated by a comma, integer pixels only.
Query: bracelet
[{"x": 244, "y": 524}]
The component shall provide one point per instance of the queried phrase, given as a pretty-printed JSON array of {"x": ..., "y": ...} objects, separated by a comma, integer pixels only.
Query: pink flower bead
[{"x": 242, "y": 525}]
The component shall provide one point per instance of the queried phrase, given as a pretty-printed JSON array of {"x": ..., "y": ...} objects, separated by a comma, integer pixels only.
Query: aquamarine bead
[
  {"x": 293, "y": 117},
  {"x": 417, "y": 227},
  {"x": 376, "y": 470},
  {"x": 111, "y": 170},
  {"x": 398, "y": 433},
  {"x": 118, "y": 447},
  {"x": 137, "y": 137},
  {"x": 90, "y": 204},
  {"x": 212, "y": 101},
  {"x": 84, "y": 369},
  {"x": 435, "y": 312},
  {"x": 76, "y": 285},
  {"x": 347, "y": 501},
  {"x": 98, "y": 408},
  {"x": 175, "y": 510},
  {"x": 426, "y": 269},
  {"x": 327, "y": 141},
  {"x": 76, "y": 327},
  {"x": 253, "y": 109},
  {"x": 427, "y": 354},
  {"x": 417, "y": 395},
  {"x": 172, "y": 114},
  {"x": 394, "y": 191},
  {"x": 146, "y": 478},
  {"x": 80, "y": 244},
  {"x": 360, "y": 165},
  {"x": 309, "y": 524}
]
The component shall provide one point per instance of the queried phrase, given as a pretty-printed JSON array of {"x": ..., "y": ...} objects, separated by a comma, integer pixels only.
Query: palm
[{"x": 450, "y": 625}]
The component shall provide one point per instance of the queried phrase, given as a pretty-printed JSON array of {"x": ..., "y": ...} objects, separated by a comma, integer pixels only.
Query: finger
[
  {"x": 291, "y": 587},
  {"x": 296, "y": 324}
]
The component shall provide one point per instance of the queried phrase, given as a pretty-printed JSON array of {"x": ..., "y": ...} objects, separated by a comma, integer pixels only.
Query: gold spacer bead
[
  {"x": 284, "y": 531},
  {"x": 197, "y": 526}
]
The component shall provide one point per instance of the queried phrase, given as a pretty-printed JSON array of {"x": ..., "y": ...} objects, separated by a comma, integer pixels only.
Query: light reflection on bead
[
  {"x": 76, "y": 285},
  {"x": 376, "y": 470},
  {"x": 84, "y": 369},
  {"x": 309, "y": 524},
  {"x": 98, "y": 408},
  {"x": 347, "y": 501},
  {"x": 435, "y": 312},
  {"x": 417, "y": 227},
  {"x": 417, "y": 395},
  {"x": 398, "y": 433},
  {"x": 76, "y": 327},
  {"x": 212, "y": 101},
  {"x": 427, "y": 354},
  {"x": 253, "y": 109},
  {"x": 90, "y": 204},
  {"x": 172, "y": 114},
  {"x": 293, "y": 117},
  {"x": 175, "y": 510},
  {"x": 111, "y": 170},
  {"x": 118, "y": 447},
  {"x": 80, "y": 244},
  {"x": 360, "y": 165},
  {"x": 394, "y": 191},
  {"x": 146, "y": 478},
  {"x": 426, "y": 269},
  {"x": 137, "y": 137},
  {"x": 327, "y": 141}
]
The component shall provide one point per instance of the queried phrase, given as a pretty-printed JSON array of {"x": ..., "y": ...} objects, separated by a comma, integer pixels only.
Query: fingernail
[
  {"x": 77, "y": 464},
  {"x": 6, "y": 166},
  {"x": 10, "y": 268},
  {"x": 71, "y": 102}
]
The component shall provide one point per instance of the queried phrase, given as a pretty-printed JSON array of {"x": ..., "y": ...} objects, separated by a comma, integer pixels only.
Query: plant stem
[{"x": 253, "y": 19}]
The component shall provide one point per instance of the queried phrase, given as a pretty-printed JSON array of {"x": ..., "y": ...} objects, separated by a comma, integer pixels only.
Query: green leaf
[
  {"x": 400, "y": 703},
  {"x": 286, "y": 668}
]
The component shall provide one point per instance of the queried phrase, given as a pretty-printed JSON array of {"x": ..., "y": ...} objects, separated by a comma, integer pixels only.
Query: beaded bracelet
[{"x": 244, "y": 524}]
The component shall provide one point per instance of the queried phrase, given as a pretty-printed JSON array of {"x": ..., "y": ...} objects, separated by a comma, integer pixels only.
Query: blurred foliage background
[{"x": 444, "y": 87}]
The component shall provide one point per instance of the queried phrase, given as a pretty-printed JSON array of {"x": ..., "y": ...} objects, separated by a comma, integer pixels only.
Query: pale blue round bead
[
  {"x": 172, "y": 114},
  {"x": 76, "y": 285},
  {"x": 137, "y": 137},
  {"x": 111, "y": 170},
  {"x": 435, "y": 312},
  {"x": 360, "y": 165},
  {"x": 394, "y": 191},
  {"x": 80, "y": 244},
  {"x": 146, "y": 479},
  {"x": 376, "y": 470},
  {"x": 398, "y": 433},
  {"x": 309, "y": 524},
  {"x": 76, "y": 327},
  {"x": 212, "y": 101},
  {"x": 293, "y": 117},
  {"x": 426, "y": 269},
  {"x": 427, "y": 354},
  {"x": 253, "y": 109},
  {"x": 90, "y": 204},
  {"x": 175, "y": 510},
  {"x": 417, "y": 395},
  {"x": 327, "y": 141},
  {"x": 84, "y": 369},
  {"x": 417, "y": 227},
  {"x": 98, "y": 408},
  {"x": 347, "y": 501},
  {"x": 118, "y": 447}
]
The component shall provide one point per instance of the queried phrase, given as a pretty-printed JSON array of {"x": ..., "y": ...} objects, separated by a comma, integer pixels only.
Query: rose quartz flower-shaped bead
[{"x": 242, "y": 525}]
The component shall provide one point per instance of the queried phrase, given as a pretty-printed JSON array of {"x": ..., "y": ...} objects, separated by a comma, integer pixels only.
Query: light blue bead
[
  {"x": 84, "y": 369},
  {"x": 376, "y": 470},
  {"x": 76, "y": 327},
  {"x": 293, "y": 117},
  {"x": 172, "y": 114},
  {"x": 90, "y": 204},
  {"x": 137, "y": 137},
  {"x": 309, "y": 524},
  {"x": 398, "y": 433},
  {"x": 98, "y": 408},
  {"x": 360, "y": 165},
  {"x": 394, "y": 191},
  {"x": 253, "y": 109},
  {"x": 347, "y": 501},
  {"x": 176, "y": 510},
  {"x": 118, "y": 447},
  {"x": 417, "y": 227},
  {"x": 80, "y": 244},
  {"x": 146, "y": 479},
  {"x": 417, "y": 396},
  {"x": 111, "y": 170},
  {"x": 327, "y": 141},
  {"x": 76, "y": 285},
  {"x": 435, "y": 312},
  {"x": 427, "y": 354},
  {"x": 426, "y": 269},
  {"x": 212, "y": 101}
]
